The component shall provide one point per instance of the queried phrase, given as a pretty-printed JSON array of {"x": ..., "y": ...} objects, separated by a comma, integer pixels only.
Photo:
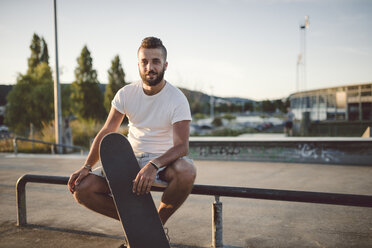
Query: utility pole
[{"x": 57, "y": 90}]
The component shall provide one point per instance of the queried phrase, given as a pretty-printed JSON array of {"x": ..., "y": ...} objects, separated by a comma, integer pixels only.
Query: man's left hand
[{"x": 144, "y": 180}]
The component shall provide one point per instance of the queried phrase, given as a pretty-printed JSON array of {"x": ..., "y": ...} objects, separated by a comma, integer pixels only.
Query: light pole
[
  {"x": 299, "y": 58},
  {"x": 301, "y": 61},
  {"x": 57, "y": 90}
]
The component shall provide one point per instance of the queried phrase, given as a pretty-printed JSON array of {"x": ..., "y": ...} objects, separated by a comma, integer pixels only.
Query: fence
[{"x": 217, "y": 191}]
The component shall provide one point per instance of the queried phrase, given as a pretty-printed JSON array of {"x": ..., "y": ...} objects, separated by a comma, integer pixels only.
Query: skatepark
[{"x": 56, "y": 220}]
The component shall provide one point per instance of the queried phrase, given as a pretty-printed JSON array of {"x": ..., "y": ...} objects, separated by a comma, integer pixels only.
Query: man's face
[{"x": 151, "y": 65}]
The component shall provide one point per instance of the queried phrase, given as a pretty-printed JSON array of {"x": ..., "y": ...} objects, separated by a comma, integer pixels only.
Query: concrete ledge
[{"x": 351, "y": 151}]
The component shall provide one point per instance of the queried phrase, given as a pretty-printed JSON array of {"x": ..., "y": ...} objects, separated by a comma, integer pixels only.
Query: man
[
  {"x": 288, "y": 125},
  {"x": 159, "y": 119}
]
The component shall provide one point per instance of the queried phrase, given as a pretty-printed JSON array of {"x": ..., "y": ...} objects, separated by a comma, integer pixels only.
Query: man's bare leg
[
  {"x": 181, "y": 176},
  {"x": 93, "y": 193}
]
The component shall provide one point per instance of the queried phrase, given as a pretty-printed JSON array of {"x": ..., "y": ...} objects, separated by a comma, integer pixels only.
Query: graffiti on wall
[
  {"x": 219, "y": 151},
  {"x": 308, "y": 151},
  {"x": 300, "y": 152}
]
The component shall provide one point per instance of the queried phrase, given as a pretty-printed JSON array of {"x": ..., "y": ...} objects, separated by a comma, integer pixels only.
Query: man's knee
[
  {"x": 185, "y": 172},
  {"x": 84, "y": 189}
]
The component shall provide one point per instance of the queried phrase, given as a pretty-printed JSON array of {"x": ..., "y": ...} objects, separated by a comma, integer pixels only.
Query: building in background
[{"x": 343, "y": 103}]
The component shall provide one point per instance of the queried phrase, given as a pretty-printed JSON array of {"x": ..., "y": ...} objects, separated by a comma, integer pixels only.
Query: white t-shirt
[{"x": 151, "y": 117}]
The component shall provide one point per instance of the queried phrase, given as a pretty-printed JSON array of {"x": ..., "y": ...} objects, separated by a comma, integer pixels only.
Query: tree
[
  {"x": 116, "y": 80},
  {"x": 44, "y": 56},
  {"x": 34, "y": 59},
  {"x": 86, "y": 96},
  {"x": 217, "y": 122},
  {"x": 31, "y": 99},
  {"x": 248, "y": 106},
  {"x": 18, "y": 101},
  {"x": 66, "y": 102},
  {"x": 268, "y": 106}
]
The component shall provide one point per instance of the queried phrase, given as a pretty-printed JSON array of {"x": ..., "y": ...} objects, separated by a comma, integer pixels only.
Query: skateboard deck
[{"x": 138, "y": 215}]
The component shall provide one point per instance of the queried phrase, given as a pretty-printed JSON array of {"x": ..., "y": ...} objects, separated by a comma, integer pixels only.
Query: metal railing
[
  {"x": 217, "y": 191},
  {"x": 52, "y": 145}
]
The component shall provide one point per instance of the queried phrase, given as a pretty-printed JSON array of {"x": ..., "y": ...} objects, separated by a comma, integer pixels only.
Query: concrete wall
[{"x": 351, "y": 151}]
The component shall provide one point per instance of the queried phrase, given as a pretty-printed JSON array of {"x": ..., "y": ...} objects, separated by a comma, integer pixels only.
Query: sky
[{"x": 228, "y": 48}]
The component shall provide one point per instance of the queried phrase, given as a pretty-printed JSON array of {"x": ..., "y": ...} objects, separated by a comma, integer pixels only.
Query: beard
[{"x": 152, "y": 82}]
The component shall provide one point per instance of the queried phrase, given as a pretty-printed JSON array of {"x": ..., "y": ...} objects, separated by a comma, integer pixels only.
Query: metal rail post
[
  {"x": 21, "y": 202},
  {"x": 217, "y": 223}
]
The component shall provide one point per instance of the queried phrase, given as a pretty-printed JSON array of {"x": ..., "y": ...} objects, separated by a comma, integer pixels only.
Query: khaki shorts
[{"x": 143, "y": 159}]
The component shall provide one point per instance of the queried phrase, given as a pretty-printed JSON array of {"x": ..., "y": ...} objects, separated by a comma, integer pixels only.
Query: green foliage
[
  {"x": 271, "y": 106},
  {"x": 34, "y": 59},
  {"x": 44, "y": 57},
  {"x": 197, "y": 106},
  {"x": 31, "y": 99},
  {"x": 39, "y": 53},
  {"x": 41, "y": 105},
  {"x": 248, "y": 106},
  {"x": 86, "y": 96},
  {"x": 199, "y": 116},
  {"x": 268, "y": 106},
  {"x": 199, "y": 102},
  {"x": 66, "y": 102},
  {"x": 84, "y": 131},
  {"x": 116, "y": 80},
  {"x": 228, "y": 107},
  {"x": 258, "y": 107},
  {"x": 18, "y": 102},
  {"x": 229, "y": 117},
  {"x": 217, "y": 122},
  {"x": 46, "y": 133}
]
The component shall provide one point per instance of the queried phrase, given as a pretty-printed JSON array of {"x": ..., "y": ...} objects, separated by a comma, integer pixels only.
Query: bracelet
[
  {"x": 155, "y": 165},
  {"x": 88, "y": 167}
]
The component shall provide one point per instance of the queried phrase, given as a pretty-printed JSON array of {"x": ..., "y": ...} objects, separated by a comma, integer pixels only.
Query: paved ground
[{"x": 55, "y": 220}]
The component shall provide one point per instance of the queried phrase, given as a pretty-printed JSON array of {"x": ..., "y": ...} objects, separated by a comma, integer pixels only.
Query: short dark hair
[{"x": 153, "y": 42}]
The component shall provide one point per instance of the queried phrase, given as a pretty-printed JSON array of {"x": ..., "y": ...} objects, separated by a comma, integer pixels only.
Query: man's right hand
[{"x": 76, "y": 178}]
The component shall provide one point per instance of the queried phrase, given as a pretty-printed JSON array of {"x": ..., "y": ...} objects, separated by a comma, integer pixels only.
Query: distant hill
[
  {"x": 237, "y": 99},
  {"x": 192, "y": 96}
]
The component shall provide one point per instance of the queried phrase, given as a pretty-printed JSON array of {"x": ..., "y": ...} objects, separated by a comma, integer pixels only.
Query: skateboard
[{"x": 138, "y": 215}]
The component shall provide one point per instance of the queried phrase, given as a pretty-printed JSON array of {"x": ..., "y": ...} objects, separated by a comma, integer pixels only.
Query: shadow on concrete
[
  {"x": 102, "y": 235},
  {"x": 58, "y": 229},
  {"x": 187, "y": 246}
]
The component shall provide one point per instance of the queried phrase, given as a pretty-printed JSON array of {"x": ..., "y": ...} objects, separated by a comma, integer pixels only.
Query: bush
[
  {"x": 199, "y": 116},
  {"x": 229, "y": 117},
  {"x": 217, "y": 122},
  {"x": 45, "y": 134},
  {"x": 83, "y": 132}
]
